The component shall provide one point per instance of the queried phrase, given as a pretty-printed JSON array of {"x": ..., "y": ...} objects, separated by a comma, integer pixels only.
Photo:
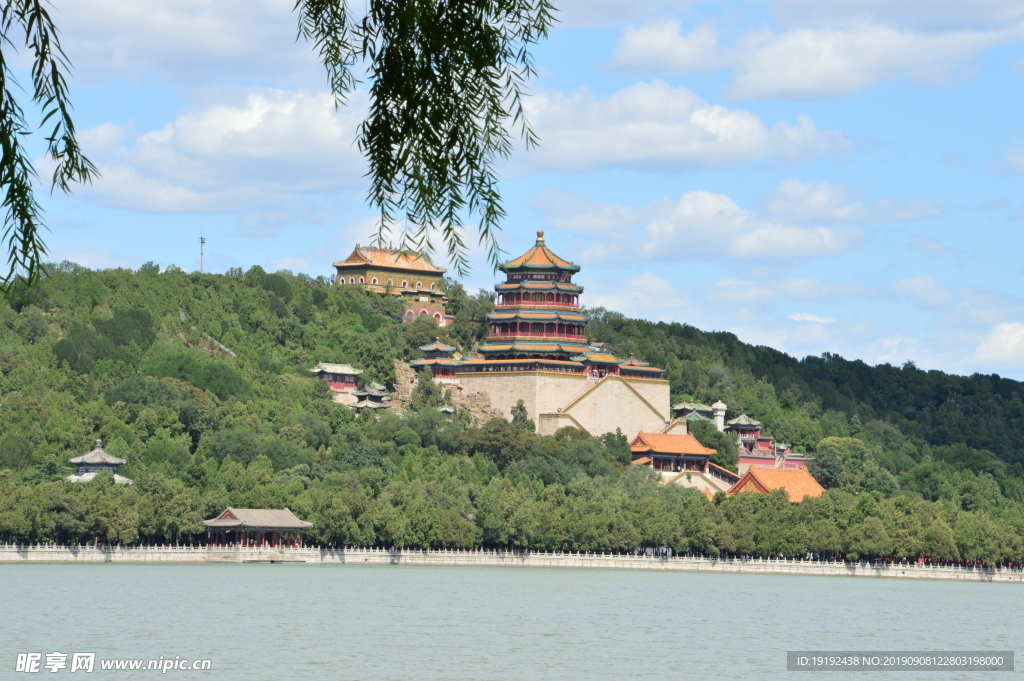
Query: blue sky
[{"x": 813, "y": 175}]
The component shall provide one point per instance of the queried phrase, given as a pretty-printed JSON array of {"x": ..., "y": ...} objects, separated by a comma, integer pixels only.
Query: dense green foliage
[{"x": 202, "y": 382}]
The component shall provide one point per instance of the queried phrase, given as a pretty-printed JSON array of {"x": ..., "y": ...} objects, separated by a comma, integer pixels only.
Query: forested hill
[
  {"x": 802, "y": 401},
  {"x": 201, "y": 381}
]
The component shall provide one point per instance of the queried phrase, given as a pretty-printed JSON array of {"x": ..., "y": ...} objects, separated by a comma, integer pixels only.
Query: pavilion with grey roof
[
  {"x": 256, "y": 527},
  {"x": 89, "y": 465}
]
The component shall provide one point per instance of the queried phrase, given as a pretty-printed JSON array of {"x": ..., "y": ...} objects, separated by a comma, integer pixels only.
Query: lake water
[{"x": 402, "y": 622}]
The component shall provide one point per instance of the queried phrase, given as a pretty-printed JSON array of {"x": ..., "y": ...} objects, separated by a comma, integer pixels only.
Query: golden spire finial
[{"x": 540, "y": 236}]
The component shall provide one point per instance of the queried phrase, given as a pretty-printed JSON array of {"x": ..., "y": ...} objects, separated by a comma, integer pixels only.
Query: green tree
[
  {"x": 726, "y": 445},
  {"x": 28, "y": 22},
  {"x": 521, "y": 418}
]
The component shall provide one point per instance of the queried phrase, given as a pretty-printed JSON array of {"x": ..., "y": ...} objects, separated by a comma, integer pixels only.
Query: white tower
[{"x": 718, "y": 411}]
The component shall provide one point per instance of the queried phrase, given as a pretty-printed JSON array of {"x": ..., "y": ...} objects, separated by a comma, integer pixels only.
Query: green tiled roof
[
  {"x": 743, "y": 420},
  {"x": 692, "y": 406}
]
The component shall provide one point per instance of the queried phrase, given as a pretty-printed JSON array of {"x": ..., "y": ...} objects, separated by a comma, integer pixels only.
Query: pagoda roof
[
  {"x": 533, "y": 316},
  {"x": 634, "y": 363},
  {"x": 694, "y": 416},
  {"x": 602, "y": 357},
  {"x": 476, "y": 361},
  {"x": 97, "y": 457},
  {"x": 692, "y": 406},
  {"x": 372, "y": 390},
  {"x": 743, "y": 420},
  {"x": 370, "y": 404},
  {"x": 523, "y": 346},
  {"x": 250, "y": 518},
  {"x": 391, "y": 258},
  {"x": 538, "y": 286},
  {"x": 796, "y": 481},
  {"x": 436, "y": 361},
  {"x": 676, "y": 445},
  {"x": 324, "y": 367},
  {"x": 437, "y": 346},
  {"x": 540, "y": 257},
  {"x": 86, "y": 476}
]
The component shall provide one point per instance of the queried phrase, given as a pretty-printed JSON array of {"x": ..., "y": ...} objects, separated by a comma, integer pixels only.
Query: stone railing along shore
[{"x": 50, "y": 553}]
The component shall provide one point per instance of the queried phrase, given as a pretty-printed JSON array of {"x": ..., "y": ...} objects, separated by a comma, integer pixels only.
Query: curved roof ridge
[{"x": 539, "y": 257}]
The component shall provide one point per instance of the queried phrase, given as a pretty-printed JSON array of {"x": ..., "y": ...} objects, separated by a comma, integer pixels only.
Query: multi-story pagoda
[
  {"x": 537, "y": 351},
  {"x": 537, "y": 314}
]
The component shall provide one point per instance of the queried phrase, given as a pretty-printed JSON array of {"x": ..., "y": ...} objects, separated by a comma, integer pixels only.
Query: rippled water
[{"x": 403, "y": 622}]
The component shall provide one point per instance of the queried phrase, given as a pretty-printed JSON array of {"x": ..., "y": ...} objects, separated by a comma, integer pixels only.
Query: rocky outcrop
[{"x": 478, "y": 404}]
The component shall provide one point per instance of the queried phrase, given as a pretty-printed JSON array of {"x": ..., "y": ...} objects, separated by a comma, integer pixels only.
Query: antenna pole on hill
[{"x": 202, "y": 247}]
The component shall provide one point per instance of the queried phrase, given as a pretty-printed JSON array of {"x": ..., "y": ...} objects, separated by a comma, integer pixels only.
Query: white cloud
[
  {"x": 656, "y": 126},
  {"x": 271, "y": 147},
  {"x": 662, "y": 46},
  {"x": 186, "y": 41},
  {"x": 930, "y": 246},
  {"x": 704, "y": 224},
  {"x": 1013, "y": 160},
  {"x": 808, "y": 63},
  {"x": 1003, "y": 347},
  {"x": 94, "y": 258},
  {"x": 923, "y": 290},
  {"x": 798, "y": 288},
  {"x": 806, "y": 317},
  {"x": 648, "y": 295},
  {"x": 922, "y": 14},
  {"x": 578, "y": 213},
  {"x": 824, "y": 201}
]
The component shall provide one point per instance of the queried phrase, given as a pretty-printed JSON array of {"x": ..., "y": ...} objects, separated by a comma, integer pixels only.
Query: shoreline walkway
[{"x": 48, "y": 553}]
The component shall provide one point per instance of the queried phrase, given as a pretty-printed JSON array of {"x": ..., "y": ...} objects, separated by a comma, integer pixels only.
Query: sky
[{"x": 813, "y": 175}]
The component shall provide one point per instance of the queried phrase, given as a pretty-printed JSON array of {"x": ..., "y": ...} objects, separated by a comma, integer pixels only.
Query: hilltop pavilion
[{"x": 88, "y": 466}]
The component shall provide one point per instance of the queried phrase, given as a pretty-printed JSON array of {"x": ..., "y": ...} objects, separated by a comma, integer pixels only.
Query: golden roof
[
  {"x": 392, "y": 258},
  {"x": 539, "y": 257},
  {"x": 796, "y": 481},
  {"x": 669, "y": 444}
]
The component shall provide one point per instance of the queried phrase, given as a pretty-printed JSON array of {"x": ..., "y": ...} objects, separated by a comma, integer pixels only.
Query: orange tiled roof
[
  {"x": 390, "y": 257},
  {"x": 642, "y": 461},
  {"x": 669, "y": 444},
  {"x": 540, "y": 256},
  {"x": 796, "y": 481}
]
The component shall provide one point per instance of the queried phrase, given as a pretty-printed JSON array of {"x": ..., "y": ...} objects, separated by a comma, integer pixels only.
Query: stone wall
[
  {"x": 10, "y": 553},
  {"x": 554, "y": 400},
  {"x": 615, "y": 402},
  {"x": 540, "y": 391}
]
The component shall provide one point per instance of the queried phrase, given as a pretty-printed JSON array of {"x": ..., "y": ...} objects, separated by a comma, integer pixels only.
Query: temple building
[
  {"x": 372, "y": 396},
  {"x": 537, "y": 351},
  {"x": 256, "y": 527},
  {"x": 682, "y": 460},
  {"x": 797, "y": 482},
  {"x": 397, "y": 272},
  {"x": 341, "y": 378},
  {"x": 439, "y": 360},
  {"x": 89, "y": 465},
  {"x": 760, "y": 450}
]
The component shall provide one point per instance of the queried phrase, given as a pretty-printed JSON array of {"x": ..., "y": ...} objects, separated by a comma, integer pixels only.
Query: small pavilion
[
  {"x": 89, "y": 465},
  {"x": 256, "y": 527},
  {"x": 372, "y": 396},
  {"x": 670, "y": 453}
]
